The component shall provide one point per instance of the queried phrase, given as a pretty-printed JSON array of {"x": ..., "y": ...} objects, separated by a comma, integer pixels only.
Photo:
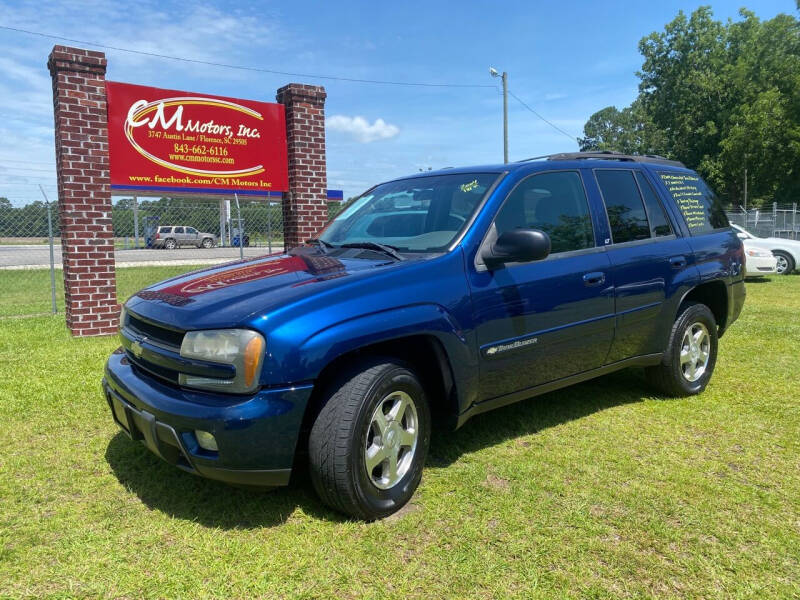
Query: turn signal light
[{"x": 252, "y": 359}]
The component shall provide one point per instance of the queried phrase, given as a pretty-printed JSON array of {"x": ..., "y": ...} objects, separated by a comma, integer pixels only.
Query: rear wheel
[
  {"x": 368, "y": 445},
  {"x": 785, "y": 262},
  {"x": 170, "y": 244},
  {"x": 691, "y": 354}
]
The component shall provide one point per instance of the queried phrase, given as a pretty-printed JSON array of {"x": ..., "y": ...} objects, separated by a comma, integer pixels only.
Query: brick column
[
  {"x": 84, "y": 195},
  {"x": 305, "y": 206}
]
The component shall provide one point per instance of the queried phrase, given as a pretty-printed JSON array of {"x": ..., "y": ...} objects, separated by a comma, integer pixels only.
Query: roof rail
[{"x": 609, "y": 155}]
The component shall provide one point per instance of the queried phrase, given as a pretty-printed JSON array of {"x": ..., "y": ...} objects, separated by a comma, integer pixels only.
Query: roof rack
[{"x": 609, "y": 155}]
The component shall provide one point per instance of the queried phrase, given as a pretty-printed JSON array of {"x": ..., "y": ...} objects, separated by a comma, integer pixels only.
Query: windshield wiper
[
  {"x": 385, "y": 248},
  {"x": 320, "y": 243}
]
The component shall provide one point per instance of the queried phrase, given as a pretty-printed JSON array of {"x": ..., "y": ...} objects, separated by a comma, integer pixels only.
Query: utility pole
[
  {"x": 504, "y": 76},
  {"x": 745, "y": 184}
]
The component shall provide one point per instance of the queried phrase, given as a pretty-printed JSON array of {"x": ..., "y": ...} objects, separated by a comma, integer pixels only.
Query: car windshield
[{"x": 422, "y": 214}]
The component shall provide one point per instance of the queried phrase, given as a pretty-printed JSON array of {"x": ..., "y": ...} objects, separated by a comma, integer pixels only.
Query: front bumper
[
  {"x": 757, "y": 266},
  {"x": 256, "y": 435}
]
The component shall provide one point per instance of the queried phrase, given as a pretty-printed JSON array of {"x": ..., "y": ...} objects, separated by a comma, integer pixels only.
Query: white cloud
[{"x": 360, "y": 129}]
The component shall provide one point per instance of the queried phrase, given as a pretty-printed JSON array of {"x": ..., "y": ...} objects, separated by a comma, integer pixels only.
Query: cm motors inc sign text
[{"x": 182, "y": 141}]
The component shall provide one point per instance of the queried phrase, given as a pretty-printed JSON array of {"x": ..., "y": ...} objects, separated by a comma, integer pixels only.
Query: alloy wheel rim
[
  {"x": 782, "y": 265},
  {"x": 695, "y": 351},
  {"x": 391, "y": 440}
]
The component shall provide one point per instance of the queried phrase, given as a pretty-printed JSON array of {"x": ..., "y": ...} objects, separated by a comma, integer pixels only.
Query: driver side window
[{"x": 554, "y": 203}]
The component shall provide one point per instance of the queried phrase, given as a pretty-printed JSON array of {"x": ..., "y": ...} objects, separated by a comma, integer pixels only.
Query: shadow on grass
[
  {"x": 536, "y": 414},
  {"x": 181, "y": 495}
]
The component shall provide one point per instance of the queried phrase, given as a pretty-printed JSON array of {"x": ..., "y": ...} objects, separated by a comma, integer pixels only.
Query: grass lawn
[{"x": 603, "y": 490}]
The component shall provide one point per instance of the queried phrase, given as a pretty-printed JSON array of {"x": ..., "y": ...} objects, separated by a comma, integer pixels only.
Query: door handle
[
  {"x": 677, "y": 261},
  {"x": 594, "y": 278}
]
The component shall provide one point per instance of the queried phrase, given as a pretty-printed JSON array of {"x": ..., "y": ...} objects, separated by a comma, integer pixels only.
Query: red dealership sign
[{"x": 181, "y": 141}]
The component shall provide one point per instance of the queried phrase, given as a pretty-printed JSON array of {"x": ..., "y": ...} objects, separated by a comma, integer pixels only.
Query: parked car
[
  {"x": 758, "y": 262},
  {"x": 344, "y": 350},
  {"x": 174, "y": 236},
  {"x": 786, "y": 251}
]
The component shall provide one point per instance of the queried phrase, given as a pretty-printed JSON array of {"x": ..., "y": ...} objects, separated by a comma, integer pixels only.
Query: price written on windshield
[{"x": 689, "y": 196}]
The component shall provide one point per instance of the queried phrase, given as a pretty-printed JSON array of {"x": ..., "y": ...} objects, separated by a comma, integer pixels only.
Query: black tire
[
  {"x": 670, "y": 376},
  {"x": 170, "y": 244},
  {"x": 789, "y": 262},
  {"x": 343, "y": 429},
  {"x": 207, "y": 243}
]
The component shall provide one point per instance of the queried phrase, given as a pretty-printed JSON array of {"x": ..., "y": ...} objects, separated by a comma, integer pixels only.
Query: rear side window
[
  {"x": 659, "y": 223},
  {"x": 554, "y": 203},
  {"x": 164, "y": 229},
  {"x": 179, "y": 230},
  {"x": 626, "y": 212},
  {"x": 699, "y": 206}
]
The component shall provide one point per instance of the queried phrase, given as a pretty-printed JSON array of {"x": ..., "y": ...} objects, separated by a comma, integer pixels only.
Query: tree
[
  {"x": 726, "y": 93},
  {"x": 629, "y": 130},
  {"x": 716, "y": 95}
]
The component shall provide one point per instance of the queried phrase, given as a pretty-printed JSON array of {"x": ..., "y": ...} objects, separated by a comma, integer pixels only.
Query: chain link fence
[
  {"x": 779, "y": 220},
  {"x": 30, "y": 260},
  {"x": 32, "y": 284},
  {"x": 161, "y": 238}
]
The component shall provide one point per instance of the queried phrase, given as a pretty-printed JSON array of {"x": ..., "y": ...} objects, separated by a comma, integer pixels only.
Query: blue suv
[{"x": 443, "y": 294}]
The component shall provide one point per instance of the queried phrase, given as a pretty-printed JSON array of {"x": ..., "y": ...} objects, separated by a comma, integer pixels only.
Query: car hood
[
  {"x": 776, "y": 243},
  {"x": 226, "y": 295}
]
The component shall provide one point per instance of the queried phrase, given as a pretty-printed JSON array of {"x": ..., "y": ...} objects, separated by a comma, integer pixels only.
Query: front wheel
[
  {"x": 785, "y": 262},
  {"x": 368, "y": 445},
  {"x": 207, "y": 243},
  {"x": 691, "y": 355}
]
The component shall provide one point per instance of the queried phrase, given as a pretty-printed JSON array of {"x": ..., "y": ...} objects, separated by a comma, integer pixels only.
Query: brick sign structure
[
  {"x": 84, "y": 193},
  {"x": 305, "y": 211},
  {"x": 84, "y": 196}
]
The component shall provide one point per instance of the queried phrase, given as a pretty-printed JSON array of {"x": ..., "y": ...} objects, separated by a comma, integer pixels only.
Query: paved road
[{"x": 38, "y": 256}]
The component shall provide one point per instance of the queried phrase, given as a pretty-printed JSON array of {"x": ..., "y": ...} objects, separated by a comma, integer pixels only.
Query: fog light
[{"x": 206, "y": 440}]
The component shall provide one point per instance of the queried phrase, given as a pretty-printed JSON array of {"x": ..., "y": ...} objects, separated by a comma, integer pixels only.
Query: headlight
[
  {"x": 759, "y": 253},
  {"x": 242, "y": 348}
]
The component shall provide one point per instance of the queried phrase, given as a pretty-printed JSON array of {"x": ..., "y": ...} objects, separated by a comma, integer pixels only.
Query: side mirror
[
  {"x": 742, "y": 236},
  {"x": 517, "y": 245}
]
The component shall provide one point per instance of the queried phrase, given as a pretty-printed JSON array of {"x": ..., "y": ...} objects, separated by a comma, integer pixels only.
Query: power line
[
  {"x": 243, "y": 67},
  {"x": 285, "y": 73},
  {"x": 14, "y": 184},
  {"x": 553, "y": 125},
  {"x": 26, "y": 162},
  {"x": 14, "y": 170}
]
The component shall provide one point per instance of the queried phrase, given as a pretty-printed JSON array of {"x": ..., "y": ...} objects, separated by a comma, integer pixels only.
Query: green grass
[
  {"x": 27, "y": 292},
  {"x": 603, "y": 490}
]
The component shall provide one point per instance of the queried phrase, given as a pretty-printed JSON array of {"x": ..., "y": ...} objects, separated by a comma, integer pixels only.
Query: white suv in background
[{"x": 787, "y": 252}]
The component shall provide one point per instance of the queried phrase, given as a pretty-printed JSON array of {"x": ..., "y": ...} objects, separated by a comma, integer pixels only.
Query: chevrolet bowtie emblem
[{"x": 136, "y": 348}]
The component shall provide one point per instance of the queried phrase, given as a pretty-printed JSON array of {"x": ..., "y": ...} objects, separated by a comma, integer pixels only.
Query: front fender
[{"x": 304, "y": 361}]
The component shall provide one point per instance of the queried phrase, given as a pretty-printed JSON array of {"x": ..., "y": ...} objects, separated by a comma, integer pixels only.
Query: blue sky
[{"x": 566, "y": 60}]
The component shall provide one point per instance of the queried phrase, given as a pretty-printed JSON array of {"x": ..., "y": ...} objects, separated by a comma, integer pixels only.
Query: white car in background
[
  {"x": 757, "y": 261},
  {"x": 787, "y": 252}
]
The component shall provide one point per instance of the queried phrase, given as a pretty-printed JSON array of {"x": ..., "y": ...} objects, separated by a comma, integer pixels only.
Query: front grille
[
  {"x": 153, "y": 370},
  {"x": 156, "y": 333}
]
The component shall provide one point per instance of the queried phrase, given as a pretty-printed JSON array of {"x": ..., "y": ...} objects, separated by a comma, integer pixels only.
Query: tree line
[{"x": 722, "y": 97}]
